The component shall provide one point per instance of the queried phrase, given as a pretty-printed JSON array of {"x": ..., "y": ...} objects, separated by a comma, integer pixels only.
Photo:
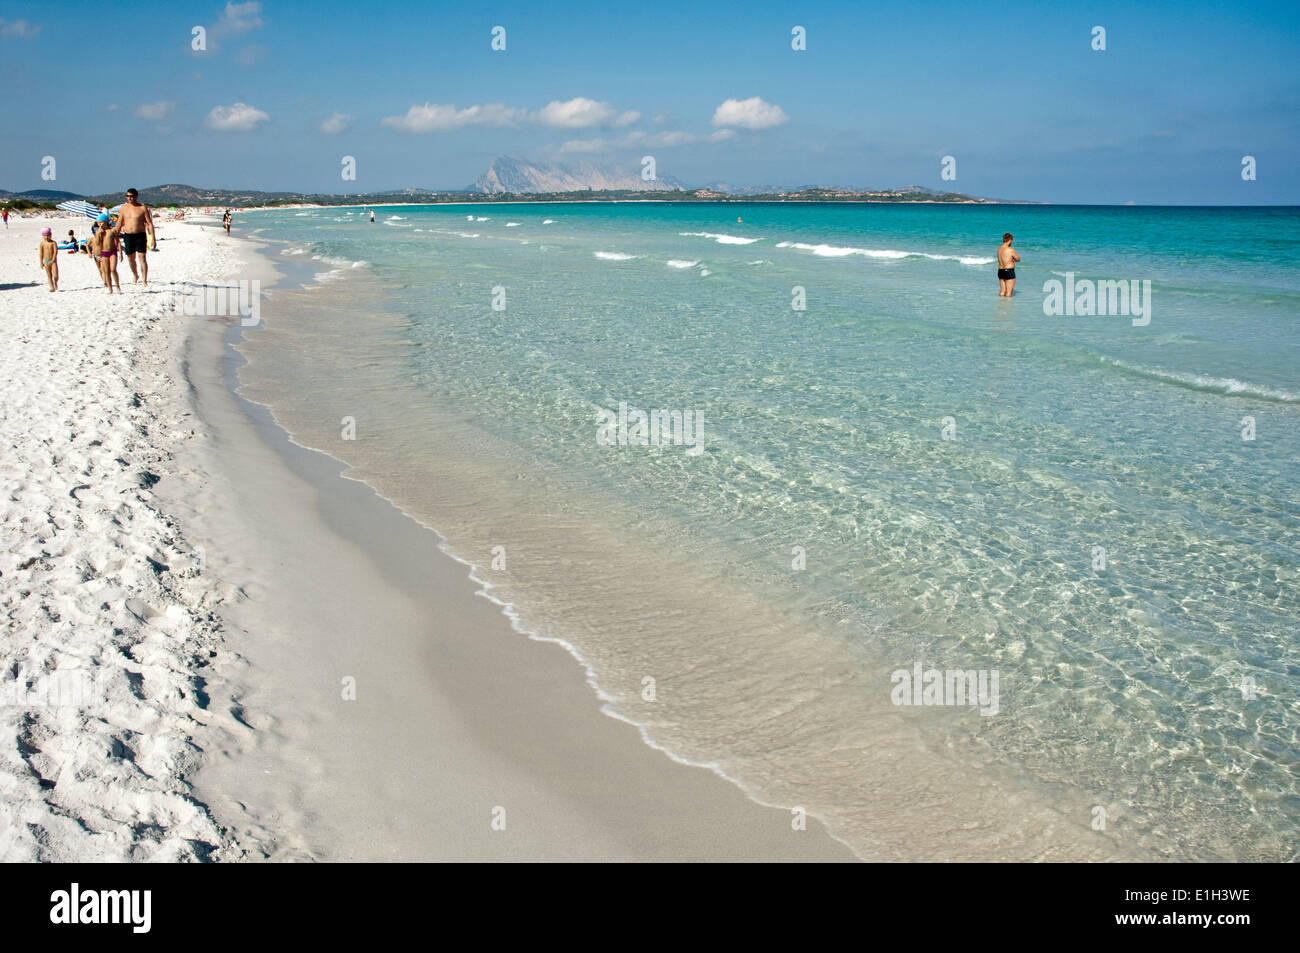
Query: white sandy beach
[
  {"x": 108, "y": 624},
  {"x": 188, "y": 598}
]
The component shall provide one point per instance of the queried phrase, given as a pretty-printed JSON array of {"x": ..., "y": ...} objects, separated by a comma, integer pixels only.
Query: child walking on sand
[
  {"x": 104, "y": 247},
  {"x": 50, "y": 258}
]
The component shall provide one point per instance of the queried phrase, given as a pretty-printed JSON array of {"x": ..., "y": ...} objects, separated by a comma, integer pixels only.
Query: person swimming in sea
[{"x": 1007, "y": 259}]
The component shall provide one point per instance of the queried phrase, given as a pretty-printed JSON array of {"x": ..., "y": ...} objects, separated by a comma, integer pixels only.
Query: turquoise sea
[{"x": 907, "y": 472}]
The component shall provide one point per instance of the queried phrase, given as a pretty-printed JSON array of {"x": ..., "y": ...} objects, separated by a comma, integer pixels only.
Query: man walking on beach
[
  {"x": 133, "y": 220},
  {"x": 1007, "y": 259}
]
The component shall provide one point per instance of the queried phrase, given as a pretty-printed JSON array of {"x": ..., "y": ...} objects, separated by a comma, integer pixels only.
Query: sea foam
[
  {"x": 721, "y": 238},
  {"x": 892, "y": 254}
]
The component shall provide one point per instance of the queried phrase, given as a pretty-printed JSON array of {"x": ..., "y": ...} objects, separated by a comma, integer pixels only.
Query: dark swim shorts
[
  {"x": 1006, "y": 274},
  {"x": 135, "y": 242}
]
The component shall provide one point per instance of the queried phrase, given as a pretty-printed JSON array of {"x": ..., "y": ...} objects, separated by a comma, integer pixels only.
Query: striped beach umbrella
[{"x": 79, "y": 206}]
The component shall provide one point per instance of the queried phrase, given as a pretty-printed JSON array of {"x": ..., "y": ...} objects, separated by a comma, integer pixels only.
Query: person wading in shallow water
[
  {"x": 133, "y": 221},
  {"x": 1007, "y": 259}
]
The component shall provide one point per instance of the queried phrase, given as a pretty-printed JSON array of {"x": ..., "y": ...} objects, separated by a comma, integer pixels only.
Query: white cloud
[
  {"x": 750, "y": 113},
  {"x": 433, "y": 117},
  {"x": 578, "y": 113},
  {"x": 19, "y": 28},
  {"x": 240, "y": 18},
  {"x": 722, "y": 135},
  {"x": 240, "y": 116},
  {"x": 336, "y": 123},
  {"x": 154, "y": 110},
  {"x": 583, "y": 113}
]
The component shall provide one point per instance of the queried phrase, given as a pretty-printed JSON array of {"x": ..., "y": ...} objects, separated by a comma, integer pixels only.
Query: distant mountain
[
  {"x": 40, "y": 195},
  {"x": 522, "y": 177},
  {"x": 189, "y": 195}
]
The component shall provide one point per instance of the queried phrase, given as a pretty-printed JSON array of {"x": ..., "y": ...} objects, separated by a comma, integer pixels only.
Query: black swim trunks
[
  {"x": 135, "y": 242},
  {"x": 1006, "y": 274}
]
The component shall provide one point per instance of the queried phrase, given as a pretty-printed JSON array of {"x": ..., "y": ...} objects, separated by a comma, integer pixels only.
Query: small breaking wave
[
  {"x": 1228, "y": 386},
  {"x": 891, "y": 254},
  {"x": 679, "y": 263},
  {"x": 615, "y": 256},
  {"x": 721, "y": 238}
]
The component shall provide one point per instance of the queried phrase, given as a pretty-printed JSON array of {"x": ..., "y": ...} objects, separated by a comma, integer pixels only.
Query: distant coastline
[{"x": 189, "y": 196}]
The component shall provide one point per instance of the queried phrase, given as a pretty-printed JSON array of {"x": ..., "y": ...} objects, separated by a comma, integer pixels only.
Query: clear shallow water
[{"x": 823, "y": 429}]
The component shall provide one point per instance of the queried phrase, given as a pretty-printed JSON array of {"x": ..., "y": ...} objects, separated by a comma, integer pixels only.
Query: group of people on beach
[{"x": 132, "y": 234}]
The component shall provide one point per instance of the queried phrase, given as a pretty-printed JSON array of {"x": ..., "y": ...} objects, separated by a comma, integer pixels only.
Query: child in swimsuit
[
  {"x": 105, "y": 248},
  {"x": 50, "y": 258}
]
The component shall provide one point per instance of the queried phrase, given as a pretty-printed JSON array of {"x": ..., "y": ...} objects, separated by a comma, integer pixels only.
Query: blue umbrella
[{"x": 79, "y": 206}]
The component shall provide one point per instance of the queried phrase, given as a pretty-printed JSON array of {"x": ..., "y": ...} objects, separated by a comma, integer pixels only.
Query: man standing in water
[
  {"x": 133, "y": 220},
  {"x": 1007, "y": 259}
]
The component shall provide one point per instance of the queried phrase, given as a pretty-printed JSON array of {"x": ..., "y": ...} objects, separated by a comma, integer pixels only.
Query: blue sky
[{"x": 1015, "y": 93}]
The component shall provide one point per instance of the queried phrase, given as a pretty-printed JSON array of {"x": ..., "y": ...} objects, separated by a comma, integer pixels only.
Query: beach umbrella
[
  {"x": 80, "y": 207},
  {"x": 116, "y": 208}
]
